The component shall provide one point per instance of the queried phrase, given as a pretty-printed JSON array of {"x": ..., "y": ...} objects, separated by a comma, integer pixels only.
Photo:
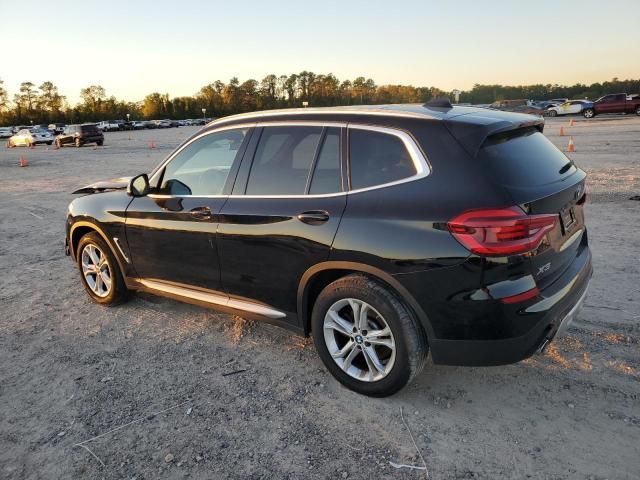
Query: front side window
[
  {"x": 283, "y": 160},
  {"x": 203, "y": 166},
  {"x": 377, "y": 158}
]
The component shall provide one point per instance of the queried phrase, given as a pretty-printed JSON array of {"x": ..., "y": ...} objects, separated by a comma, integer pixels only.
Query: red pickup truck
[{"x": 614, "y": 103}]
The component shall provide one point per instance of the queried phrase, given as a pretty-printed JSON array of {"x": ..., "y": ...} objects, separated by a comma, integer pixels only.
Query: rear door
[
  {"x": 171, "y": 233},
  {"x": 542, "y": 180},
  {"x": 284, "y": 212}
]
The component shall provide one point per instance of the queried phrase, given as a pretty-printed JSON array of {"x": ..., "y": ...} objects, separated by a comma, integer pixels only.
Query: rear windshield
[
  {"x": 525, "y": 158},
  {"x": 89, "y": 129}
]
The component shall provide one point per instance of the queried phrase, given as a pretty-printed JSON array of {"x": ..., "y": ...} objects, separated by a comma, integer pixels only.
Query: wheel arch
[
  {"x": 79, "y": 229},
  {"x": 320, "y": 275}
]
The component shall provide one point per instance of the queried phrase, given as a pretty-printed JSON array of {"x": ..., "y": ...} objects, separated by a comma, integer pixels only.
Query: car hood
[{"x": 104, "y": 186}]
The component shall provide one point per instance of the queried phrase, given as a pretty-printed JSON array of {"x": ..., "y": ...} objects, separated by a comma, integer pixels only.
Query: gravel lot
[{"x": 154, "y": 369}]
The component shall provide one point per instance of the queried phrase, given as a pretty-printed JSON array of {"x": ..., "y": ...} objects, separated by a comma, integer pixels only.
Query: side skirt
[{"x": 217, "y": 300}]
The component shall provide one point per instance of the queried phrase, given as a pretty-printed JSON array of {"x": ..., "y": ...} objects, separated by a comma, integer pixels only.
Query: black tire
[
  {"x": 9, "y": 144},
  {"x": 77, "y": 143},
  {"x": 58, "y": 144},
  {"x": 118, "y": 292},
  {"x": 100, "y": 143},
  {"x": 410, "y": 340},
  {"x": 588, "y": 113},
  {"x": 552, "y": 113},
  {"x": 50, "y": 143},
  {"x": 638, "y": 110}
]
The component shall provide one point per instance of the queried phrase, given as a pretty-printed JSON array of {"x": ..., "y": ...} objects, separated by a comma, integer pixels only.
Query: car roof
[{"x": 470, "y": 125}]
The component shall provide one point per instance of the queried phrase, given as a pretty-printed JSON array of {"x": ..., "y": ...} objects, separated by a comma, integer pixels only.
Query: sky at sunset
[{"x": 133, "y": 48}]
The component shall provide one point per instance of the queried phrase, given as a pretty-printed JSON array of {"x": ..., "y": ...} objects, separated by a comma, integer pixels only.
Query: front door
[
  {"x": 171, "y": 233},
  {"x": 283, "y": 214}
]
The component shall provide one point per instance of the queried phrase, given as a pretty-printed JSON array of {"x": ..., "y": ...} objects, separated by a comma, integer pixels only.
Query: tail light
[{"x": 500, "y": 232}]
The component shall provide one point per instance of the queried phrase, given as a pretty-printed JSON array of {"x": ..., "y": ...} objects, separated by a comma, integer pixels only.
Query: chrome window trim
[{"x": 418, "y": 157}]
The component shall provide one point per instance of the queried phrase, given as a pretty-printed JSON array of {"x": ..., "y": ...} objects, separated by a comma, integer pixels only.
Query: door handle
[
  {"x": 201, "y": 213},
  {"x": 314, "y": 217}
]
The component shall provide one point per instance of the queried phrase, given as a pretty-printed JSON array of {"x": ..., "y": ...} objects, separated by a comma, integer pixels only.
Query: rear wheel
[
  {"x": 552, "y": 113},
  {"x": 99, "y": 271},
  {"x": 367, "y": 339},
  {"x": 9, "y": 144},
  {"x": 588, "y": 113}
]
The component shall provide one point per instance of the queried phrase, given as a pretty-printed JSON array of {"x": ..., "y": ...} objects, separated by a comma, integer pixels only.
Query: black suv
[
  {"x": 79, "y": 135},
  {"x": 383, "y": 231}
]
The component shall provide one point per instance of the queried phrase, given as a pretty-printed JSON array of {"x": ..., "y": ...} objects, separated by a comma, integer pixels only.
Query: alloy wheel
[
  {"x": 359, "y": 340},
  {"x": 96, "y": 270}
]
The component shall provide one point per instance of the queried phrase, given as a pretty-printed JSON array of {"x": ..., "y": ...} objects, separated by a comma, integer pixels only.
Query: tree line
[{"x": 44, "y": 103}]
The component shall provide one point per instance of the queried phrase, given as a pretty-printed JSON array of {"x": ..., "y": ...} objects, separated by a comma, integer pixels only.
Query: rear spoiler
[{"x": 471, "y": 133}]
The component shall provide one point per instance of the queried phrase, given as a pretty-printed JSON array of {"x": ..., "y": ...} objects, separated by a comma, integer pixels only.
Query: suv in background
[
  {"x": 79, "y": 135},
  {"x": 6, "y": 132},
  {"x": 386, "y": 232}
]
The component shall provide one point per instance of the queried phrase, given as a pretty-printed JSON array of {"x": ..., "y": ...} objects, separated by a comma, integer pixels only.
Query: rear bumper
[{"x": 549, "y": 316}]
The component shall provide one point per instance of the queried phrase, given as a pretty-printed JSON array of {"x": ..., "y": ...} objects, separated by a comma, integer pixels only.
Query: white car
[
  {"x": 109, "y": 125},
  {"x": 6, "y": 132},
  {"x": 572, "y": 107},
  {"x": 30, "y": 137}
]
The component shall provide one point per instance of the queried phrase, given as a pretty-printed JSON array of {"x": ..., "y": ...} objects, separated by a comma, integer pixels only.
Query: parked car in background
[
  {"x": 108, "y": 126},
  {"x": 614, "y": 103},
  {"x": 30, "y": 137},
  {"x": 385, "y": 232},
  {"x": 79, "y": 135},
  {"x": 572, "y": 107},
  {"x": 162, "y": 123},
  {"x": 6, "y": 132},
  {"x": 56, "y": 128},
  {"x": 138, "y": 125}
]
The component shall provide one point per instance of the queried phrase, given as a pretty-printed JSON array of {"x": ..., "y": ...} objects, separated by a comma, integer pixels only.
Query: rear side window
[
  {"x": 376, "y": 158},
  {"x": 283, "y": 160},
  {"x": 89, "y": 129},
  {"x": 524, "y": 158}
]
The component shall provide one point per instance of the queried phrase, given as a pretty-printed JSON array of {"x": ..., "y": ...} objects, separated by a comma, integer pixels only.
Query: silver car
[{"x": 30, "y": 137}]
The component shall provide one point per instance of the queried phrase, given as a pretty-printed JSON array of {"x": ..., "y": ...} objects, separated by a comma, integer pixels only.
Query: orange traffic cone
[
  {"x": 23, "y": 161},
  {"x": 561, "y": 132},
  {"x": 571, "y": 122},
  {"x": 571, "y": 147}
]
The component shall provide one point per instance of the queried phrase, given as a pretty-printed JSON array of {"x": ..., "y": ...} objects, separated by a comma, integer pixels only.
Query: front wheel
[
  {"x": 100, "y": 143},
  {"x": 58, "y": 144},
  {"x": 77, "y": 142},
  {"x": 366, "y": 337},
  {"x": 99, "y": 271},
  {"x": 552, "y": 113},
  {"x": 588, "y": 113}
]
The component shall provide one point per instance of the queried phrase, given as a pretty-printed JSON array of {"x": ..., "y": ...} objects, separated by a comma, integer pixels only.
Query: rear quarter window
[
  {"x": 377, "y": 158},
  {"x": 524, "y": 158}
]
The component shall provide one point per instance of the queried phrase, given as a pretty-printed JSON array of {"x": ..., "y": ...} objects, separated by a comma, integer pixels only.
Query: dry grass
[{"x": 237, "y": 327}]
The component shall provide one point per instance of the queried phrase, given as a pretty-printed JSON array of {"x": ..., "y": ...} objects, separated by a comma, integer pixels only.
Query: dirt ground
[{"x": 144, "y": 385}]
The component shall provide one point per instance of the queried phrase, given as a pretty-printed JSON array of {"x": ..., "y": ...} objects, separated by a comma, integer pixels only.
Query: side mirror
[{"x": 138, "y": 186}]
